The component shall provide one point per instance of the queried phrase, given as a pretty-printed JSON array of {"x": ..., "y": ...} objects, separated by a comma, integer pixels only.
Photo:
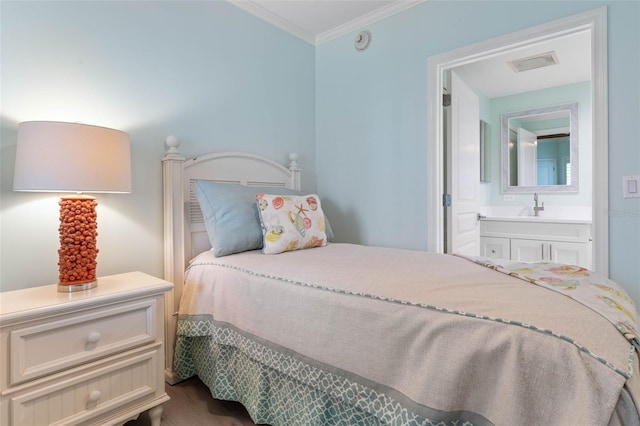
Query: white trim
[
  {"x": 593, "y": 21},
  {"x": 254, "y": 8},
  {"x": 600, "y": 137},
  {"x": 368, "y": 19}
]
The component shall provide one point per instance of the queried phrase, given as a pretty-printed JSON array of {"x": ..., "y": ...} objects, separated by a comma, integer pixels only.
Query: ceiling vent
[{"x": 532, "y": 62}]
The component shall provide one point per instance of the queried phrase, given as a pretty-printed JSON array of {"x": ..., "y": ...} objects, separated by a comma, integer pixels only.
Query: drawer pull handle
[
  {"x": 94, "y": 396},
  {"x": 94, "y": 337}
]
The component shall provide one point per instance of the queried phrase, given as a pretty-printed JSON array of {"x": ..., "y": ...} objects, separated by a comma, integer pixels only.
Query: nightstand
[{"x": 92, "y": 357}]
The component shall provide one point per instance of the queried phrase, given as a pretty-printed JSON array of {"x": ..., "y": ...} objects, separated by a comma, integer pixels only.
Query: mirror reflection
[{"x": 540, "y": 149}]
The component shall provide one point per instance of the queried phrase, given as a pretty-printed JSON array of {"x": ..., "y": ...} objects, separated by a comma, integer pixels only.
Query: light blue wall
[
  {"x": 222, "y": 79},
  {"x": 371, "y": 118},
  {"x": 215, "y": 76}
]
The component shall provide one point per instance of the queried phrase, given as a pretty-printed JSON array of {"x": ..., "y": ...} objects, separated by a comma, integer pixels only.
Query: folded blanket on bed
[{"x": 592, "y": 289}]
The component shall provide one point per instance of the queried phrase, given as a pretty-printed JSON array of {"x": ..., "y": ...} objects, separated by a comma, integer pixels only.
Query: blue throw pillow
[{"x": 231, "y": 215}]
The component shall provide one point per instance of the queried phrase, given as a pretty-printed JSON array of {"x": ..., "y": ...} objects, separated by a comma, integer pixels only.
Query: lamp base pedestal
[{"x": 70, "y": 288}]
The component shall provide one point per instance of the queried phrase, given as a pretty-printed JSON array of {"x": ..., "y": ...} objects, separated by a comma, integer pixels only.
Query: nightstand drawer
[
  {"x": 59, "y": 344},
  {"x": 92, "y": 395}
]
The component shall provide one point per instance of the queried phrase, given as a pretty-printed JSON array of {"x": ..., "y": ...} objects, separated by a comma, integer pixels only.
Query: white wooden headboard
[{"x": 184, "y": 232}]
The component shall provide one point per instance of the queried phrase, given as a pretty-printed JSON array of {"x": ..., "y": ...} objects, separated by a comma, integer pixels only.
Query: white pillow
[{"x": 291, "y": 222}]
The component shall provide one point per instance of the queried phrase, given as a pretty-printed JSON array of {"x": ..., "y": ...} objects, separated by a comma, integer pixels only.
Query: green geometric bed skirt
[{"x": 281, "y": 389}]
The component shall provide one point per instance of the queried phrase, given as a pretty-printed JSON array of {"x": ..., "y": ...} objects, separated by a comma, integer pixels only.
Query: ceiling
[
  {"x": 494, "y": 77},
  {"x": 318, "y": 21}
]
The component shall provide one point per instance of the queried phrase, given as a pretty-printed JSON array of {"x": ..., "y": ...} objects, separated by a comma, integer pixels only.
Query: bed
[{"x": 346, "y": 334}]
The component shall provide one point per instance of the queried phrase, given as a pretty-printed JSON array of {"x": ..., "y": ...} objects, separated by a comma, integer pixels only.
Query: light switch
[{"x": 631, "y": 186}]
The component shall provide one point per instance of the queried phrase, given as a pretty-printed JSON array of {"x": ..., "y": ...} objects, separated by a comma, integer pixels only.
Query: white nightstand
[{"x": 92, "y": 357}]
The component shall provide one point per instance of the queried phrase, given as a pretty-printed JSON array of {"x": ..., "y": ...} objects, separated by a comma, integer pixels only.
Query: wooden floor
[{"x": 192, "y": 404}]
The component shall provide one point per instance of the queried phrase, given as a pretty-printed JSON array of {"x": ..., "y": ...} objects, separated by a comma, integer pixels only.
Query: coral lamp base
[{"x": 78, "y": 252}]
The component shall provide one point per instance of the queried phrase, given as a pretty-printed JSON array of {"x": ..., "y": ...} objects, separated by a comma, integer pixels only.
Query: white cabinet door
[
  {"x": 553, "y": 251},
  {"x": 527, "y": 250},
  {"x": 569, "y": 253},
  {"x": 495, "y": 248}
]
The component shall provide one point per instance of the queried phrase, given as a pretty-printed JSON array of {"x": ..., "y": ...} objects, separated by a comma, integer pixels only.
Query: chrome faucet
[{"x": 537, "y": 209}]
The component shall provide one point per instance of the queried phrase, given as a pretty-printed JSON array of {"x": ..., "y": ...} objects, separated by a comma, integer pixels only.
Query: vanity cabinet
[
  {"x": 561, "y": 242},
  {"x": 495, "y": 248},
  {"x": 553, "y": 251}
]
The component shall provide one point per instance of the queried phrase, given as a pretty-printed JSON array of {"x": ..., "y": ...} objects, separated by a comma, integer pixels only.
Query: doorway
[{"x": 593, "y": 22}]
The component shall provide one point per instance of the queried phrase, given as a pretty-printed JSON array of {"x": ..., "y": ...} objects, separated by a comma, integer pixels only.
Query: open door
[
  {"x": 527, "y": 158},
  {"x": 463, "y": 170}
]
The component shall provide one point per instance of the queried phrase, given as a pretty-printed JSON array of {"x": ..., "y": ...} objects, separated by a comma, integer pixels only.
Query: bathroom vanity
[{"x": 529, "y": 239}]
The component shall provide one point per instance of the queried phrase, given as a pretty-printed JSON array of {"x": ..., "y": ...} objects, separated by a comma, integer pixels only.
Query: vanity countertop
[{"x": 535, "y": 219}]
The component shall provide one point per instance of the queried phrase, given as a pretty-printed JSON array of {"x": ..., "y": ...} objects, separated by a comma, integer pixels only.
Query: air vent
[{"x": 532, "y": 62}]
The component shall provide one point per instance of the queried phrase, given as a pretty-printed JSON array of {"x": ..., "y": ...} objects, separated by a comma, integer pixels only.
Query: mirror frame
[{"x": 572, "y": 108}]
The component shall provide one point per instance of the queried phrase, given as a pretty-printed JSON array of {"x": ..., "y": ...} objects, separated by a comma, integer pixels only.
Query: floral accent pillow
[{"x": 291, "y": 222}]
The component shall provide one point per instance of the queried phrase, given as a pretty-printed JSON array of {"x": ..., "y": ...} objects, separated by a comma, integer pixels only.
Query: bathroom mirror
[{"x": 540, "y": 150}]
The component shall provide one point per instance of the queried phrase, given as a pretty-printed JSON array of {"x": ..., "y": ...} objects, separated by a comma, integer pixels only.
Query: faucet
[{"x": 537, "y": 209}]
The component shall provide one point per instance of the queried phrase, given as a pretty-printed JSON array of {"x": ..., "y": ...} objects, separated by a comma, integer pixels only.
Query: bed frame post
[
  {"x": 172, "y": 181},
  {"x": 295, "y": 171}
]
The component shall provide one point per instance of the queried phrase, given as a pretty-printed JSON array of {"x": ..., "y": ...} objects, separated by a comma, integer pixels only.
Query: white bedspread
[{"x": 440, "y": 333}]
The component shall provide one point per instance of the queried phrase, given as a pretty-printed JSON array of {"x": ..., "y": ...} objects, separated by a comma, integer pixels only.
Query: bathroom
[{"x": 535, "y": 197}]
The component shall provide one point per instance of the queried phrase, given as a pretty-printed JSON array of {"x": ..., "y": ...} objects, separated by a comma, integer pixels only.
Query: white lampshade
[{"x": 70, "y": 157}]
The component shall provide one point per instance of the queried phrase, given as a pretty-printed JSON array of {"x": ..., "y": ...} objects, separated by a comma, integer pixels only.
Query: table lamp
[{"x": 70, "y": 157}]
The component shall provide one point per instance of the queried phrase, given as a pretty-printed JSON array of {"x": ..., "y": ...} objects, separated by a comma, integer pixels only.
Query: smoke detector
[
  {"x": 536, "y": 61},
  {"x": 363, "y": 39}
]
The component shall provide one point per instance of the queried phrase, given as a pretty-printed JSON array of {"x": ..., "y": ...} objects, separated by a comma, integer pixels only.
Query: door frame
[{"x": 595, "y": 22}]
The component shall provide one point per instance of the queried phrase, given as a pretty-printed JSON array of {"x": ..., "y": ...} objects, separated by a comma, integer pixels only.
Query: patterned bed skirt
[{"x": 281, "y": 390}]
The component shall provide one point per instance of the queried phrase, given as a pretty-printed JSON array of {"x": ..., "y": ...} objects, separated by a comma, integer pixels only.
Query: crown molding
[
  {"x": 254, "y": 8},
  {"x": 368, "y": 19}
]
